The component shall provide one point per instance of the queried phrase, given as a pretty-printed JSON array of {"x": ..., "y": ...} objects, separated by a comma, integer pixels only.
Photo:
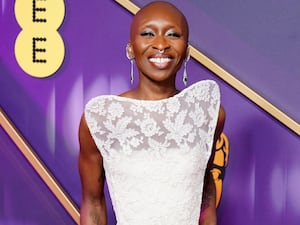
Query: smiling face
[{"x": 159, "y": 40}]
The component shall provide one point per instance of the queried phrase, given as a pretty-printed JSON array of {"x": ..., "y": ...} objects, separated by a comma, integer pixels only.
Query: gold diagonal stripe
[
  {"x": 245, "y": 90},
  {"x": 131, "y": 7},
  {"x": 232, "y": 81},
  {"x": 39, "y": 166}
]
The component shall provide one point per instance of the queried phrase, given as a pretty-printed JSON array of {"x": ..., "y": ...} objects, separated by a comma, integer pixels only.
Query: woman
[{"x": 153, "y": 142}]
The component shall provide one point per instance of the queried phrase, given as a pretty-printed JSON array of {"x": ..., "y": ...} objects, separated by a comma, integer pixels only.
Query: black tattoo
[
  {"x": 94, "y": 214},
  {"x": 95, "y": 218},
  {"x": 208, "y": 191},
  {"x": 101, "y": 178}
]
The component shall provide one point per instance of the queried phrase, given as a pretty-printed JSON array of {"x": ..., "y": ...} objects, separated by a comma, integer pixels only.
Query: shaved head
[
  {"x": 158, "y": 41},
  {"x": 157, "y": 9}
]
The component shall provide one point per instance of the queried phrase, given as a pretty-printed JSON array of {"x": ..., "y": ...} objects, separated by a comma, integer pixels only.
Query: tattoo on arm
[
  {"x": 95, "y": 217},
  {"x": 95, "y": 214},
  {"x": 208, "y": 191},
  {"x": 100, "y": 179}
]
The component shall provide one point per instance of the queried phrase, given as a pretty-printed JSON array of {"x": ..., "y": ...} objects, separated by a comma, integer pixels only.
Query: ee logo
[{"x": 39, "y": 48}]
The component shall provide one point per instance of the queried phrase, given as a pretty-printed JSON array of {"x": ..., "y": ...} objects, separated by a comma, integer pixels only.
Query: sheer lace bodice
[{"x": 155, "y": 153}]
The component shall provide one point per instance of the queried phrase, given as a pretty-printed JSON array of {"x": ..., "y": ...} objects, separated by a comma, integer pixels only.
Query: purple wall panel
[
  {"x": 24, "y": 198},
  {"x": 257, "y": 41},
  {"x": 262, "y": 177}
]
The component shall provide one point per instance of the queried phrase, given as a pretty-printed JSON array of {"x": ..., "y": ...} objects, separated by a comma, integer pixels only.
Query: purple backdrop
[
  {"x": 24, "y": 197},
  {"x": 261, "y": 180}
]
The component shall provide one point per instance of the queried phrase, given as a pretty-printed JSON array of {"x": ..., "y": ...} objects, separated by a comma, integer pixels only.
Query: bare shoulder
[
  {"x": 83, "y": 129},
  {"x": 222, "y": 114},
  {"x": 86, "y": 141},
  {"x": 220, "y": 122}
]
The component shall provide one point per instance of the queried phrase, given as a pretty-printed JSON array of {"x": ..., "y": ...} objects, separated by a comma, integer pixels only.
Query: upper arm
[
  {"x": 208, "y": 209},
  {"x": 220, "y": 123},
  {"x": 218, "y": 132},
  {"x": 89, "y": 164}
]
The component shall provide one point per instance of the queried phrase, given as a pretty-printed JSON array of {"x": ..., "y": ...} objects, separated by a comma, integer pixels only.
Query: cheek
[
  {"x": 140, "y": 46},
  {"x": 181, "y": 49}
]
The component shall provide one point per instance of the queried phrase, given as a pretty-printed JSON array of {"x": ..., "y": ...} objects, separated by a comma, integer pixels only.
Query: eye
[
  {"x": 173, "y": 34},
  {"x": 147, "y": 34}
]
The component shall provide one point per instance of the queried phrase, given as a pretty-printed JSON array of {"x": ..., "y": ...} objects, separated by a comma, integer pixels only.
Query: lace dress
[{"x": 155, "y": 153}]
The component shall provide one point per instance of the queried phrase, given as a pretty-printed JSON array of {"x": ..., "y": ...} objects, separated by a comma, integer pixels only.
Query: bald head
[{"x": 159, "y": 9}]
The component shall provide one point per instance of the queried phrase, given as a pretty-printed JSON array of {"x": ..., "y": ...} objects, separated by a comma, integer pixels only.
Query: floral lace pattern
[{"x": 155, "y": 152}]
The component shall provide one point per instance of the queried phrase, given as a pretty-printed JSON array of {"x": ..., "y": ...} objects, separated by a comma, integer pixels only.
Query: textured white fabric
[{"x": 155, "y": 152}]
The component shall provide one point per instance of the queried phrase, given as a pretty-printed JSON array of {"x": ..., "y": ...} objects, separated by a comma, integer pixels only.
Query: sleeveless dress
[{"x": 155, "y": 152}]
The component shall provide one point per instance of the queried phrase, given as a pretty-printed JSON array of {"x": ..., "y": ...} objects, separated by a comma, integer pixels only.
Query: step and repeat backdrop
[{"x": 56, "y": 55}]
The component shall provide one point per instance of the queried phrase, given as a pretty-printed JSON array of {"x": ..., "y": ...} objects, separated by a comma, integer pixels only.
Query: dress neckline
[{"x": 177, "y": 95}]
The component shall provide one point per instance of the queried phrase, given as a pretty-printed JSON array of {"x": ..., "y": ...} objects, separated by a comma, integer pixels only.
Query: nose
[{"x": 160, "y": 43}]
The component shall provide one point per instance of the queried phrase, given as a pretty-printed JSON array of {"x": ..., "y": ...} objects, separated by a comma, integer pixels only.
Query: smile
[{"x": 159, "y": 60}]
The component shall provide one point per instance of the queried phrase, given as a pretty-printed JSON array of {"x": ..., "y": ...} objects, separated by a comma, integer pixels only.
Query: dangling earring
[
  {"x": 185, "y": 76},
  {"x": 128, "y": 49},
  {"x": 131, "y": 71}
]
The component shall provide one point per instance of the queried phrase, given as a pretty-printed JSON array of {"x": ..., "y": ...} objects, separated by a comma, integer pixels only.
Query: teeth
[{"x": 159, "y": 60}]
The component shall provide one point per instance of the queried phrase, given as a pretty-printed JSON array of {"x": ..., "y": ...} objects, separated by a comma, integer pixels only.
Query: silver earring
[
  {"x": 187, "y": 58},
  {"x": 185, "y": 76},
  {"x": 131, "y": 71},
  {"x": 131, "y": 63}
]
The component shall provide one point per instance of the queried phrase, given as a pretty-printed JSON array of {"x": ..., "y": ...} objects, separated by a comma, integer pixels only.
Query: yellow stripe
[
  {"x": 231, "y": 80},
  {"x": 39, "y": 167},
  {"x": 129, "y": 6},
  {"x": 245, "y": 90}
]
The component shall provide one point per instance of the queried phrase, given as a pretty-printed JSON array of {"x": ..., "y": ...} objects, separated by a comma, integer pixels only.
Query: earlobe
[
  {"x": 130, "y": 57},
  {"x": 129, "y": 51},
  {"x": 187, "y": 54}
]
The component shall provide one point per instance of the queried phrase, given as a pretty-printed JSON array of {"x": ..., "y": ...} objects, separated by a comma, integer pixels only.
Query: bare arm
[
  {"x": 93, "y": 207},
  {"x": 208, "y": 208}
]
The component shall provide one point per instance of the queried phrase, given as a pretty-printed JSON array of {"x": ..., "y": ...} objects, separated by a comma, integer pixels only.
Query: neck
[{"x": 154, "y": 91}]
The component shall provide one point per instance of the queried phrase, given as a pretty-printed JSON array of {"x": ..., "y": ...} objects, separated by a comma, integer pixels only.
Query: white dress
[{"x": 155, "y": 152}]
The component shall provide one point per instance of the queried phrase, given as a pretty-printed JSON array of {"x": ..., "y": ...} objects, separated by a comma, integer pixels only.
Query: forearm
[
  {"x": 90, "y": 165},
  {"x": 208, "y": 214},
  {"x": 208, "y": 208},
  {"x": 93, "y": 213}
]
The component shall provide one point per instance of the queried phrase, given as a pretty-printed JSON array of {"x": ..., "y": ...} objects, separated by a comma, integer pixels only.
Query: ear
[{"x": 129, "y": 51}]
